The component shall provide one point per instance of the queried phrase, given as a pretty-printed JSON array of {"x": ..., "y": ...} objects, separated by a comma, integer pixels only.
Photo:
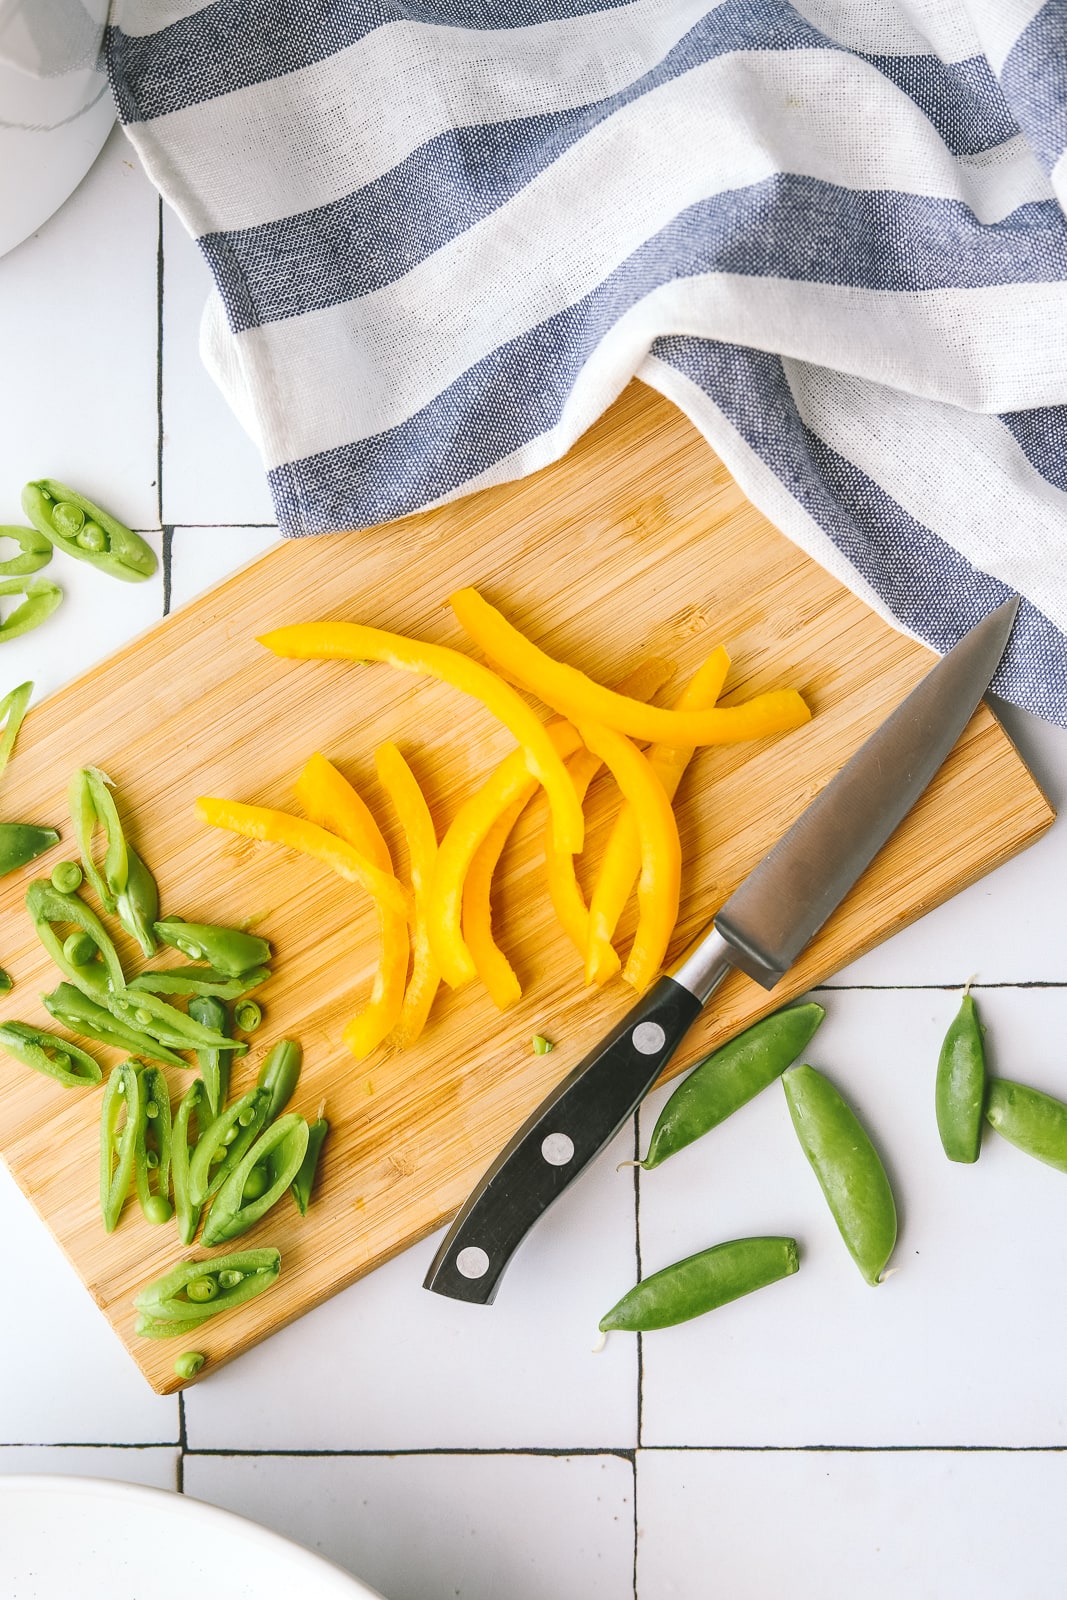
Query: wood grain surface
[{"x": 638, "y": 542}]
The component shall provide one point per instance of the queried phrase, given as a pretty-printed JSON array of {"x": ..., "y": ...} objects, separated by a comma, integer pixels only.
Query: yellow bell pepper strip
[
  {"x": 352, "y": 641},
  {"x": 409, "y": 802},
  {"x": 279, "y": 827},
  {"x": 493, "y": 966},
  {"x": 621, "y": 861},
  {"x": 659, "y": 886},
  {"x": 330, "y": 800},
  {"x": 578, "y": 697},
  {"x": 564, "y": 890}
]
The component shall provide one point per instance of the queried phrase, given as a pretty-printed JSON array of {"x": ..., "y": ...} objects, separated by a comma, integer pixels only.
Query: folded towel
[{"x": 445, "y": 234}]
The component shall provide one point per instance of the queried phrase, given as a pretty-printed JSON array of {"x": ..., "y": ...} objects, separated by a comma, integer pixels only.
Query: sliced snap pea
[
  {"x": 35, "y": 551},
  {"x": 214, "y": 1065},
  {"x": 119, "y": 1139},
  {"x": 223, "y": 1143},
  {"x": 7, "y": 983},
  {"x": 702, "y": 1282},
  {"x": 229, "y": 950},
  {"x": 40, "y": 598},
  {"x": 1032, "y": 1121},
  {"x": 47, "y": 906},
  {"x": 847, "y": 1166},
  {"x": 206, "y": 982},
  {"x": 170, "y": 1307},
  {"x": 13, "y": 709},
  {"x": 21, "y": 843},
  {"x": 724, "y": 1081},
  {"x": 280, "y": 1148},
  {"x": 303, "y": 1183},
  {"x": 152, "y": 1157},
  {"x": 138, "y": 1008},
  {"x": 189, "y": 1363},
  {"x": 82, "y": 1014},
  {"x": 48, "y": 1053},
  {"x": 84, "y": 818},
  {"x": 137, "y": 902},
  {"x": 74, "y": 524},
  {"x": 186, "y": 1213},
  {"x": 959, "y": 1095},
  {"x": 280, "y": 1074}
]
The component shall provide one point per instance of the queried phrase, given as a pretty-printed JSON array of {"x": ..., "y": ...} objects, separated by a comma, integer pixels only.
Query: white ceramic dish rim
[{"x": 328, "y": 1579}]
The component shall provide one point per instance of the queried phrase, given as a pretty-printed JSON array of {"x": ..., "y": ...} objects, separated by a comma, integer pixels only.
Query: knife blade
[{"x": 760, "y": 930}]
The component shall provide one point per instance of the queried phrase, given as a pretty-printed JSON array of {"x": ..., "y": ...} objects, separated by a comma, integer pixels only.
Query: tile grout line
[
  {"x": 183, "y": 1446},
  {"x": 550, "y": 1452},
  {"x": 168, "y": 565},
  {"x": 159, "y": 365}
]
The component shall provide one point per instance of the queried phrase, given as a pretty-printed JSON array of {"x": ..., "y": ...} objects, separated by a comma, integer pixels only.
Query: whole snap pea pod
[
  {"x": 164, "y": 1022},
  {"x": 847, "y": 1166},
  {"x": 202, "y": 981},
  {"x": 1030, "y": 1120},
  {"x": 303, "y": 1183},
  {"x": 186, "y": 1213},
  {"x": 47, "y": 906},
  {"x": 280, "y": 1074},
  {"x": 48, "y": 1053},
  {"x": 196, "y": 1290},
  {"x": 223, "y": 1144},
  {"x": 280, "y": 1149},
  {"x": 724, "y": 1081},
  {"x": 215, "y": 1065},
  {"x": 137, "y": 902},
  {"x": 40, "y": 598},
  {"x": 23, "y": 842},
  {"x": 959, "y": 1095},
  {"x": 228, "y": 950},
  {"x": 152, "y": 1156},
  {"x": 701, "y": 1282},
  {"x": 35, "y": 551},
  {"x": 82, "y": 1014},
  {"x": 119, "y": 1139},
  {"x": 82, "y": 529}
]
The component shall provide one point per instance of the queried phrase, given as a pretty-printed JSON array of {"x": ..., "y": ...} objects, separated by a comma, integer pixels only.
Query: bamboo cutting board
[{"x": 638, "y": 543}]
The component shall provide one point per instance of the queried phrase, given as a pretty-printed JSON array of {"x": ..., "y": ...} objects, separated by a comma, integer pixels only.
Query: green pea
[
  {"x": 157, "y": 1208},
  {"x": 66, "y": 876},
  {"x": 202, "y": 1289},
  {"x": 847, "y": 1166},
  {"x": 702, "y": 1282},
  {"x": 68, "y": 518},
  {"x": 257, "y": 1183},
  {"x": 1034, "y": 1122},
  {"x": 92, "y": 537},
  {"x": 80, "y": 948},
  {"x": 230, "y": 1277},
  {"x": 189, "y": 1363},
  {"x": 959, "y": 1096},
  {"x": 247, "y": 1015},
  {"x": 726, "y": 1080}
]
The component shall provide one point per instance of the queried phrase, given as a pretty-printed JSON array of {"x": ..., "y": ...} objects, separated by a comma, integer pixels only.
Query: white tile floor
[{"x": 820, "y": 1439}]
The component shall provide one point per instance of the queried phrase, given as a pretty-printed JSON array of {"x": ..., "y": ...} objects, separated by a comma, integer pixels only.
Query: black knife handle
[{"x": 579, "y": 1117}]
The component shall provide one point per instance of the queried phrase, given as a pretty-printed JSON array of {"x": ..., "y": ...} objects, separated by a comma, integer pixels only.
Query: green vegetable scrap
[
  {"x": 280, "y": 1149},
  {"x": 228, "y": 950},
  {"x": 1032, "y": 1121},
  {"x": 541, "y": 1045},
  {"x": 84, "y": 1015},
  {"x": 121, "y": 1114},
  {"x": 247, "y": 1016},
  {"x": 40, "y": 598},
  {"x": 35, "y": 551},
  {"x": 152, "y": 1157},
  {"x": 847, "y": 1166},
  {"x": 48, "y": 1053},
  {"x": 726, "y": 1080},
  {"x": 189, "y": 1363},
  {"x": 21, "y": 843},
  {"x": 7, "y": 983},
  {"x": 959, "y": 1097},
  {"x": 193, "y": 1291},
  {"x": 74, "y": 524},
  {"x": 302, "y": 1184},
  {"x": 49, "y": 909},
  {"x": 702, "y": 1282}
]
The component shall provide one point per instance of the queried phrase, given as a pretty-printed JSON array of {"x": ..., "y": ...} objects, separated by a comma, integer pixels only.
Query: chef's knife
[{"x": 761, "y": 929}]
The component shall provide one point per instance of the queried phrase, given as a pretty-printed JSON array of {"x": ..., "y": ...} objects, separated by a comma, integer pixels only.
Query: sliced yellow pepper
[
  {"x": 409, "y": 802},
  {"x": 564, "y": 890},
  {"x": 354, "y": 642},
  {"x": 659, "y": 885},
  {"x": 621, "y": 861},
  {"x": 331, "y": 801},
  {"x": 493, "y": 966},
  {"x": 279, "y": 827},
  {"x": 578, "y": 697}
]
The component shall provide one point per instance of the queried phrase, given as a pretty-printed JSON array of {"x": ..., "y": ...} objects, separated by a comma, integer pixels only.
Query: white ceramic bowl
[{"x": 95, "y": 1539}]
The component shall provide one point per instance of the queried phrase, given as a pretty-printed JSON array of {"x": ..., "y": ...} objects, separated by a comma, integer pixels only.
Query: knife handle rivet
[
  {"x": 648, "y": 1037},
  {"x": 557, "y": 1149},
  {"x": 472, "y": 1262}
]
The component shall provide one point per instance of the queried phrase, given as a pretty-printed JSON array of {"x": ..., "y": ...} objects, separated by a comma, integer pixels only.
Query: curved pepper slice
[
  {"x": 331, "y": 801},
  {"x": 409, "y": 802},
  {"x": 576, "y": 696},
  {"x": 661, "y": 853},
  {"x": 264, "y": 822},
  {"x": 354, "y": 642},
  {"x": 564, "y": 890},
  {"x": 621, "y": 861},
  {"x": 492, "y": 965}
]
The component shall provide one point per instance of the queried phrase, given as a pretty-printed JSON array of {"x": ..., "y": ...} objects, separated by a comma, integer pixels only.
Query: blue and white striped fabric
[{"x": 446, "y": 233}]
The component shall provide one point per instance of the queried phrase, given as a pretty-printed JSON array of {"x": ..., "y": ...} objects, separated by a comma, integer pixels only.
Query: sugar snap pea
[
  {"x": 702, "y": 1282},
  {"x": 47, "y": 907},
  {"x": 167, "y": 1309},
  {"x": 13, "y": 709},
  {"x": 85, "y": 817},
  {"x": 959, "y": 1095},
  {"x": 229, "y": 950},
  {"x": 48, "y": 1053},
  {"x": 119, "y": 1137},
  {"x": 74, "y": 524},
  {"x": 847, "y": 1166},
  {"x": 21, "y": 843},
  {"x": 152, "y": 1154},
  {"x": 1032, "y": 1121},
  {"x": 280, "y": 1148},
  {"x": 40, "y": 598},
  {"x": 223, "y": 1143},
  {"x": 186, "y": 1213},
  {"x": 6, "y": 981},
  {"x": 724, "y": 1081},
  {"x": 137, "y": 902},
  {"x": 82, "y": 1014},
  {"x": 35, "y": 551},
  {"x": 178, "y": 1031},
  {"x": 202, "y": 981},
  {"x": 215, "y": 1065},
  {"x": 280, "y": 1074},
  {"x": 302, "y": 1184}
]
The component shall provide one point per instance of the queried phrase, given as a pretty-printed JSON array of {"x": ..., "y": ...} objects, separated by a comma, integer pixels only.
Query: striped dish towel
[{"x": 446, "y": 233}]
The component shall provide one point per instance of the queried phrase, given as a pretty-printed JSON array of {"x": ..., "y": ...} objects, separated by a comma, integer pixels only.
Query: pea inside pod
[
  {"x": 87, "y": 532},
  {"x": 702, "y": 1282},
  {"x": 848, "y": 1168},
  {"x": 959, "y": 1098}
]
